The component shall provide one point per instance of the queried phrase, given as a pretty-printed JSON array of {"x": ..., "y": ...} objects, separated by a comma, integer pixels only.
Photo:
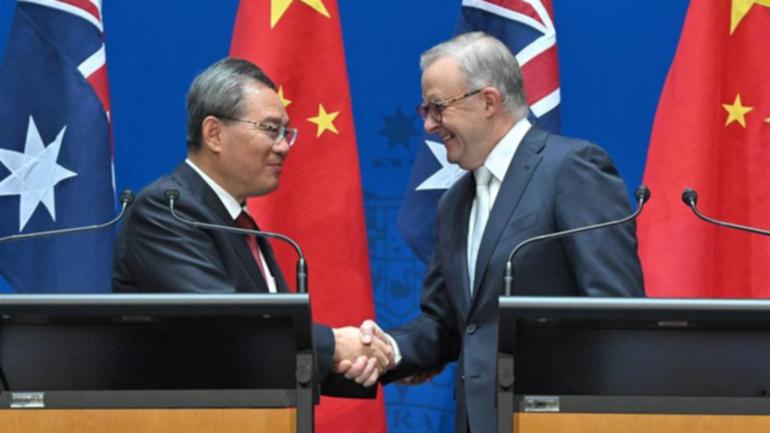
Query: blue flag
[
  {"x": 526, "y": 27},
  {"x": 56, "y": 166}
]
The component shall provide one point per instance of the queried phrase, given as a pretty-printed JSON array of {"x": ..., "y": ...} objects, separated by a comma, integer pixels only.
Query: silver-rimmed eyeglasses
[{"x": 276, "y": 132}]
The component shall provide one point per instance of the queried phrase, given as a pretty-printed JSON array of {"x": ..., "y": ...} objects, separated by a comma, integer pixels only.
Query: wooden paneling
[
  {"x": 148, "y": 421},
  {"x": 633, "y": 423}
]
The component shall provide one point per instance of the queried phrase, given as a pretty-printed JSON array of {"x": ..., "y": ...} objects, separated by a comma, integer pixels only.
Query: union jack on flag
[
  {"x": 526, "y": 27},
  {"x": 56, "y": 165}
]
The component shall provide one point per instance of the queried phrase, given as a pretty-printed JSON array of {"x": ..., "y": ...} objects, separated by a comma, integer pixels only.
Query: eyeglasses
[
  {"x": 435, "y": 109},
  {"x": 276, "y": 132}
]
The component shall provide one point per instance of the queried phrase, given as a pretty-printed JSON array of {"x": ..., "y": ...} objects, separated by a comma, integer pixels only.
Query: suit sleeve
[
  {"x": 333, "y": 384},
  {"x": 589, "y": 190},
  {"x": 164, "y": 255}
]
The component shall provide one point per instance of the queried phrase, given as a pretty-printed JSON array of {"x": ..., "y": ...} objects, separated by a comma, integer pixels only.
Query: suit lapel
[
  {"x": 219, "y": 215},
  {"x": 515, "y": 182},
  {"x": 458, "y": 228}
]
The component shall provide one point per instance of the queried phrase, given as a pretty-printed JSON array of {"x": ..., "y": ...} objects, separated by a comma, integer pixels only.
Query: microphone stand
[
  {"x": 172, "y": 195},
  {"x": 690, "y": 198},
  {"x": 126, "y": 197},
  {"x": 642, "y": 194}
]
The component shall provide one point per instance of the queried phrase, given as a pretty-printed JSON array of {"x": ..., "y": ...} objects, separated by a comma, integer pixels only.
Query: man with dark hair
[
  {"x": 522, "y": 182},
  {"x": 238, "y": 140}
]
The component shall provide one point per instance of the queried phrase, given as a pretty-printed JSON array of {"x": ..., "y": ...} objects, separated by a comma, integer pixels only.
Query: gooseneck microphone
[
  {"x": 126, "y": 197},
  {"x": 172, "y": 195},
  {"x": 690, "y": 198},
  {"x": 642, "y": 194}
]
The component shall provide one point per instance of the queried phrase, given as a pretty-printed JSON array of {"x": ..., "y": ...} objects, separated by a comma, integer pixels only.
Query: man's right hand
[
  {"x": 375, "y": 357},
  {"x": 362, "y": 354}
]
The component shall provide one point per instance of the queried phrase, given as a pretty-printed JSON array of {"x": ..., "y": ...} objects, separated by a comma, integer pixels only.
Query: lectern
[
  {"x": 633, "y": 365},
  {"x": 160, "y": 351}
]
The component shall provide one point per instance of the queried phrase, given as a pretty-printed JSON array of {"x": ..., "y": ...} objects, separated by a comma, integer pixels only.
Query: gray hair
[
  {"x": 486, "y": 62},
  {"x": 218, "y": 91}
]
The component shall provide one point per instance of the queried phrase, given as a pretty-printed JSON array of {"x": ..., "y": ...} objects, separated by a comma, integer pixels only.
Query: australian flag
[
  {"x": 56, "y": 167},
  {"x": 526, "y": 27}
]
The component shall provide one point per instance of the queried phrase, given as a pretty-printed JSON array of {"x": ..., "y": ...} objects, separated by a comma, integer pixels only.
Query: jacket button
[{"x": 470, "y": 329}]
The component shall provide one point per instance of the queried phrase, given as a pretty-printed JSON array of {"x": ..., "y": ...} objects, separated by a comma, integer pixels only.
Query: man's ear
[
  {"x": 493, "y": 101},
  {"x": 212, "y": 134}
]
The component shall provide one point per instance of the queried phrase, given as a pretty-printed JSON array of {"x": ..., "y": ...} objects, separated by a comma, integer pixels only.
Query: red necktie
[{"x": 244, "y": 221}]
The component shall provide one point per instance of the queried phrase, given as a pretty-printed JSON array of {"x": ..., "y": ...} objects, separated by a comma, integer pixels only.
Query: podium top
[
  {"x": 164, "y": 304},
  {"x": 722, "y": 310}
]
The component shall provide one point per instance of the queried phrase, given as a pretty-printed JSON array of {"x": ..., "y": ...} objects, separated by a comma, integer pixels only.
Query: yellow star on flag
[
  {"x": 737, "y": 111},
  {"x": 279, "y": 7},
  {"x": 767, "y": 120},
  {"x": 740, "y": 8},
  {"x": 318, "y": 5},
  {"x": 284, "y": 101},
  {"x": 324, "y": 121}
]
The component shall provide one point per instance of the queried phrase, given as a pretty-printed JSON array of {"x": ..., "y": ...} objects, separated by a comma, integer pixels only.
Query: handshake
[{"x": 365, "y": 353}]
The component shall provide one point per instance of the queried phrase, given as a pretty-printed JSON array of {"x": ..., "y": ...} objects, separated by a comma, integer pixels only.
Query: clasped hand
[{"x": 362, "y": 354}]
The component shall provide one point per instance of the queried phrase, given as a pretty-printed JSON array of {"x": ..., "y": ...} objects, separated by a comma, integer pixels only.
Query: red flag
[
  {"x": 319, "y": 200},
  {"x": 712, "y": 133}
]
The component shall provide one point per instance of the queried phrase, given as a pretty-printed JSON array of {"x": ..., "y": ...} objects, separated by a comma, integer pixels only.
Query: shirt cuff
[{"x": 396, "y": 350}]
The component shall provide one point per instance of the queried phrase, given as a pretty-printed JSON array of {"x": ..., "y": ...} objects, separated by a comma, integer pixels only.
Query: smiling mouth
[{"x": 276, "y": 166}]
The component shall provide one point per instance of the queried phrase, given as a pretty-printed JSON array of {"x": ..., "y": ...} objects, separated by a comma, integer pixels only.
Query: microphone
[
  {"x": 172, "y": 195},
  {"x": 126, "y": 198},
  {"x": 642, "y": 194},
  {"x": 690, "y": 198}
]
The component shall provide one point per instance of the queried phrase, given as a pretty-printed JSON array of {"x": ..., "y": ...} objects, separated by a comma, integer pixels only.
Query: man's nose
[
  {"x": 429, "y": 124},
  {"x": 281, "y": 147}
]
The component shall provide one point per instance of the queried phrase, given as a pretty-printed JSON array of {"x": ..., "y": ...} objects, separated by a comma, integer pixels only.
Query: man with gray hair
[
  {"x": 522, "y": 182},
  {"x": 238, "y": 140}
]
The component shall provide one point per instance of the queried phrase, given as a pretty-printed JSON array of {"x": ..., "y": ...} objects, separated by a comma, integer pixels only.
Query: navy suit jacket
[
  {"x": 553, "y": 183},
  {"x": 157, "y": 253}
]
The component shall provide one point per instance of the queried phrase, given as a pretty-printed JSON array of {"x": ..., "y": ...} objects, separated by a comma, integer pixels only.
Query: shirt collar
[
  {"x": 234, "y": 208},
  {"x": 502, "y": 154}
]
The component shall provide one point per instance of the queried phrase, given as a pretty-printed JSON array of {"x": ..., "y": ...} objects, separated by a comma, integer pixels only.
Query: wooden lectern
[
  {"x": 633, "y": 365},
  {"x": 156, "y": 363}
]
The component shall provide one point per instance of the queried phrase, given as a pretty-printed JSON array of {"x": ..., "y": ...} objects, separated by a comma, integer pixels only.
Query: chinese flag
[
  {"x": 712, "y": 133},
  {"x": 319, "y": 201}
]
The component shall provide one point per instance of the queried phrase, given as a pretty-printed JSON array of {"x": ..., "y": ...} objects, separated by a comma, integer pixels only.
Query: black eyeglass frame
[{"x": 435, "y": 109}]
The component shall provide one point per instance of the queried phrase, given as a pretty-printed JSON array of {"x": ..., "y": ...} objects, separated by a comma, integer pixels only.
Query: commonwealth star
[{"x": 34, "y": 173}]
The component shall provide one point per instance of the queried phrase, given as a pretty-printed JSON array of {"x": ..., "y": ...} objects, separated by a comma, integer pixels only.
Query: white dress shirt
[{"x": 497, "y": 163}]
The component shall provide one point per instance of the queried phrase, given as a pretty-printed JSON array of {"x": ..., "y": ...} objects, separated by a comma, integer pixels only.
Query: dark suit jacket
[
  {"x": 156, "y": 253},
  {"x": 553, "y": 183}
]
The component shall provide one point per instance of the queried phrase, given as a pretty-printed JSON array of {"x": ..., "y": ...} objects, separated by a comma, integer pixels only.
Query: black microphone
[
  {"x": 690, "y": 198},
  {"x": 172, "y": 195},
  {"x": 126, "y": 197},
  {"x": 642, "y": 194}
]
